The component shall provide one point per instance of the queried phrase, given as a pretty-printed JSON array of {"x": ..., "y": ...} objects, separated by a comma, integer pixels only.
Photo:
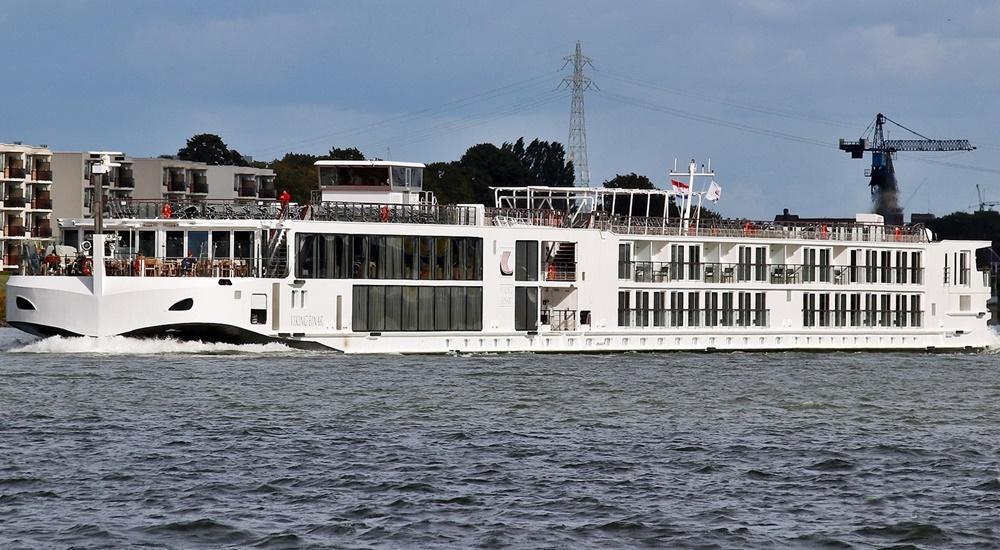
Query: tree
[
  {"x": 546, "y": 161},
  {"x": 449, "y": 182},
  {"x": 296, "y": 172},
  {"x": 487, "y": 165},
  {"x": 351, "y": 153},
  {"x": 210, "y": 149},
  {"x": 982, "y": 225}
]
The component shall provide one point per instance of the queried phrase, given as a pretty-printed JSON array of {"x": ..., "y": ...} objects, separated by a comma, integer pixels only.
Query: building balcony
[
  {"x": 14, "y": 231},
  {"x": 177, "y": 186},
  {"x": 14, "y": 202},
  {"x": 268, "y": 193},
  {"x": 14, "y": 173},
  {"x": 200, "y": 188},
  {"x": 42, "y": 204},
  {"x": 42, "y": 175},
  {"x": 42, "y": 232},
  {"x": 125, "y": 182},
  {"x": 248, "y": 190}
]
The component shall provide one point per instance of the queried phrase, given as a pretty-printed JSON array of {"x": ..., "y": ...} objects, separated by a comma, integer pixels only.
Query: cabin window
[
  {"x": 526, "y": 261},
  {"x": 526, "y": 307},
  {"x": 623, "y": 308},
  {"x": 624, "y": 261}
]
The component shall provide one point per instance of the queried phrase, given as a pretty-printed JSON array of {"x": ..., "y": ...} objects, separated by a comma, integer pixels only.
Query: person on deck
[{"x": 187, "y": 265}]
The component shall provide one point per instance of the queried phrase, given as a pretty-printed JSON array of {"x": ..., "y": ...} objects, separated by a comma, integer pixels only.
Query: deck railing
[
  {"x": 269, "y": 210},
  {"x": 648, "y": 225},
  {"x": 559, "y": 319},
  {"x": 715, "y": 272},
  {"x": 138, "y": 266}
]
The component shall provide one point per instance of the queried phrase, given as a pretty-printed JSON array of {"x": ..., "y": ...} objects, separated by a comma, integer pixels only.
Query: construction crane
[
  {"x": 983, "y": 205},
  {"x": 883, "y": 177}
]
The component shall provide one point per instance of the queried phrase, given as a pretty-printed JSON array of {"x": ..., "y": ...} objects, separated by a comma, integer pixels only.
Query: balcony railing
[
  {"x": 200, "y": 188},
  {"x": 248, "y": 190},
  {"x": 15, "y": 173},
  {"x": 139, "y": 266},
  {"x": 43, "y": 204},
  {"x": 126, "y": 182},
  {"x": 559, "y": 271},
  {"x": 43, "y": 231},
  {"x": 43, "y": 175},
  {"x": 14, "y": 231},
  {"x": 559, "y": 319},
  {"x": 177, "y": 186},
  {"x": 709, "y": 272},
  {"x": 268, "y": 193}
]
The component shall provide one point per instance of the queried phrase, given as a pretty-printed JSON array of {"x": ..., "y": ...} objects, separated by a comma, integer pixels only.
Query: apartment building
[
  {"x": 25, "y": 200},
  {"x": 151, "y": 179},
  {"x": 73, "y": 189},
  {"x": 186, "y": 181}
]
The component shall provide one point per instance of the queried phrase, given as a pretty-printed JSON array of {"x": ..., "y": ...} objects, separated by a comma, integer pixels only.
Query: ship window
[
  {"x": 197, "y": 243},
  {"x": 243, "y": 244},
  {"x": 220, "y": 244},
  {"x": 182, "y": 305},
  {"x": 526, "y": 261},
  {"x": 175, "y": 244},
  {"x": 147, "y": 243},
  {"x": 389, "y": 308},
  {"x": 526, "y": 306},
  {"x": 337, "y": 256}
]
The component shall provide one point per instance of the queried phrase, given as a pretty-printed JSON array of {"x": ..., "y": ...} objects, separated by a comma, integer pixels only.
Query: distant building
[
  {"x": 185, "y": 181},
  {"x": 916, "y": 218},
  {"x": 73, "y": 193},
  {"x": 154, "y": 179},
  {"x": 25, "y": 200}
]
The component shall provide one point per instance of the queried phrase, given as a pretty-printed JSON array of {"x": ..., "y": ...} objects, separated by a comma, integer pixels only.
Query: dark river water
[{"x": 119, "y": 443}]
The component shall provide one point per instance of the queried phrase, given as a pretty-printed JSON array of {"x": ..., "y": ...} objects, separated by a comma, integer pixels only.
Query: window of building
[{"x": 624, "y": 310}]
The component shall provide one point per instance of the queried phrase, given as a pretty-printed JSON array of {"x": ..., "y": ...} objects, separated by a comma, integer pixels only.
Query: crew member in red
[{"x": 285, "y": 197}]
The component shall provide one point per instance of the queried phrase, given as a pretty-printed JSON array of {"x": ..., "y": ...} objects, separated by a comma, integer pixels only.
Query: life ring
[
  {"x": 167, "y": 211},
  {"x": 822, "y": 231},
  {"x": 898, "y": 233},
  {"x": 384, "y": 214},
  {"x": 87, "y": 268},
  {"x": 551, "y": 272},
  {"x": 748, "y": 229}
]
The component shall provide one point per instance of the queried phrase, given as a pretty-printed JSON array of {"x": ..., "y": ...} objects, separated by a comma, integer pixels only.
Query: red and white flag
[{"x": 680, "y": 187}]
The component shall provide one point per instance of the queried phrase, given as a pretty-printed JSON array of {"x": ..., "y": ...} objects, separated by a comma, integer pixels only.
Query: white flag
[{"x": 714, "y": 192}]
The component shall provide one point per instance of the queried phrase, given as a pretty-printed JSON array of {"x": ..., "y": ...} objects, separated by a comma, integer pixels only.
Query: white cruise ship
[{"x": 374, "y": 265}]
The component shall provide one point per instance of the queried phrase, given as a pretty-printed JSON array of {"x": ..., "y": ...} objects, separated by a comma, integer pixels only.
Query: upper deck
[{"x": 555, "y": 212}]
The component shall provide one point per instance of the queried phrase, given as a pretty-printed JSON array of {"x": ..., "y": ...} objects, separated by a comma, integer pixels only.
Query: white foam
[{"x": 120, "y": 345}]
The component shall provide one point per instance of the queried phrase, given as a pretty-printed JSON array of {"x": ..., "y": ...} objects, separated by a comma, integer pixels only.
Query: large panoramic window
[
  {"x": 394, "y": 308},
  {"x": 337, "y": 256}
]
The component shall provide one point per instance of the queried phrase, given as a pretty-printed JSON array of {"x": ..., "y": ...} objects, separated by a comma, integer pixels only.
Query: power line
[
  {"x": 399, "y": 119},
  {"x": 700, "y": 96}
]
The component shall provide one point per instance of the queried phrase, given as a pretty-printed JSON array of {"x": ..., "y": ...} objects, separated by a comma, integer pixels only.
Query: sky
[{"x": 763, "y": 88}]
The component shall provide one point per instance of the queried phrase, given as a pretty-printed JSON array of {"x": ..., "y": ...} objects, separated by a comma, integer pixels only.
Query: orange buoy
[
  {"x": 384, "y": 213},
  {"x": 167, "y": 211}
]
